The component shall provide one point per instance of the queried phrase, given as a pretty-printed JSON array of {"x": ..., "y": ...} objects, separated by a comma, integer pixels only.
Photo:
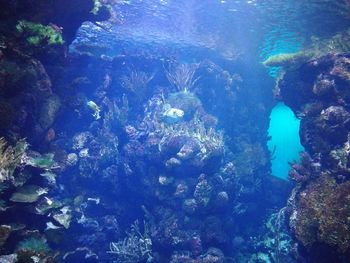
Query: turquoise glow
[{"x": 284, "y": 145}]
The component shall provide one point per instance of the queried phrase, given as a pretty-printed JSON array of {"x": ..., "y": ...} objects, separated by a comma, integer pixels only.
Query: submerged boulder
[
  {"x": 28, "y": 194},
  {"x": 48, "y": 111},
  {"x": 318, "y": 92},
  {"x": 5, "y": 231}
]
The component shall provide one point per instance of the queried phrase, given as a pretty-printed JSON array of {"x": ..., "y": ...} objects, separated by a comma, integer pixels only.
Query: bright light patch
[{"x": 284, "y": 145}]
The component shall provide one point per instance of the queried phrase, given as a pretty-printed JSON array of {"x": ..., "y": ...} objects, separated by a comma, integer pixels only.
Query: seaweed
[{"x": 38, "y": 34}]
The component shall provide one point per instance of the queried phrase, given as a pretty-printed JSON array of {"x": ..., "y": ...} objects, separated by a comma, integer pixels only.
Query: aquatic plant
[
  {"x": 38, "y": 34},
  {"x": 136, "y": 81},
  {"x": 116, "y": 116},
  {"x": 10, "y": 158},
  {"x": 304, "y": 169},
  {"x": 181, "y": 76},
  {"x": 209, "y": 138},
  {"x": 136, "y": 247}
]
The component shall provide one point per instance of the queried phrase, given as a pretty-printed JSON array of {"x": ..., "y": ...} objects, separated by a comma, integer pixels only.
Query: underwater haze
[{"x": 187, "y": 131}]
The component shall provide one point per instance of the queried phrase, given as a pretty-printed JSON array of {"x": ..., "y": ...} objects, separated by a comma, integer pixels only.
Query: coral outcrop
[
  {"x": 319, "y": 210},
  {"x": 34, "y": 38},
  {"x": 178, "y": 145}
]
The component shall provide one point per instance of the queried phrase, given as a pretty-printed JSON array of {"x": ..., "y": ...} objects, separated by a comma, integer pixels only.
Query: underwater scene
[{"x": 174, "y": 131}]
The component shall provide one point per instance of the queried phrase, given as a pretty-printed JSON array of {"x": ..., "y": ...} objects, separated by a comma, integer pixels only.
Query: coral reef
[
  {"x": 178, "y": 145},
  {"x": 318, "y": 207},
  {"x": 136, "y": 247},
  {"x": 323, "y": 213},
  {"x": 181, "y": 77},
  {"x": 34, "y": 38},
  {"x": 339, "y": 43}
]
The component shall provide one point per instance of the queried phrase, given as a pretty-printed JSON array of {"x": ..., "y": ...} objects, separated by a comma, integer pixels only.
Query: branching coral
[
  {"x": 209, "y": 139},
  {"x": 116, "y": 116},
  {"x": 181, "y": 77},
  {"x": 136, "y": 247},
  {"x": 10, "y": 158},
  {"x": 136, "y": 81}
]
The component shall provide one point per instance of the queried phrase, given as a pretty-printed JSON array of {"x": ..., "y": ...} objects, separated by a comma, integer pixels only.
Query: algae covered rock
[
  {"x": 44, "y": 161},
  {"x": 288, "y": 60},
  {"x": 33, "y": 249},
  {"x": 38, "y": 34},
  {"x": 323, "y": 213},
  {"x": 28, "y": 194},
  {"x": 5, "y": 231},
  {"x": 10, "y": 158},
  {"x": 48, "y": 111},
  {"x": 188, "y": 102},
  {"x": 64, "y": 216}
]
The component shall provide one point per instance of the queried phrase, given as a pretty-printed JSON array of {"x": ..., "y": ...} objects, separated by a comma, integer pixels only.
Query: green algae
[
  {"x": 288, "y": 60},
  {"x": 38, "y": 34}
]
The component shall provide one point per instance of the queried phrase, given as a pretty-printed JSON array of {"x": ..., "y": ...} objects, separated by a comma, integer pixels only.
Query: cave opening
[{"x": 284, "y": 144}]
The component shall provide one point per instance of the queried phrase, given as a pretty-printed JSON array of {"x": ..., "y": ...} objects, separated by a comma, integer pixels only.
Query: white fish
[
  {"x": 172, "y": 115},
  {"x": 92, "y": 105},
  {"x": 50, "y": 225}
]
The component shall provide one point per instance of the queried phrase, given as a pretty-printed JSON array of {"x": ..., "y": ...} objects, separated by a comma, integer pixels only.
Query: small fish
[
  {"x": 50, "y": 225},
  {"x": 96, "y": 200},
  {"x": 172, "y": 115},
  {"x": 93, "y": 106}
]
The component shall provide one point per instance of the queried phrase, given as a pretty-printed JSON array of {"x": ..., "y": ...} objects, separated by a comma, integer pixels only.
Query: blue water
[
  {"x": 182, "y": 154},
  {"x": 284, "y": 144}
]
